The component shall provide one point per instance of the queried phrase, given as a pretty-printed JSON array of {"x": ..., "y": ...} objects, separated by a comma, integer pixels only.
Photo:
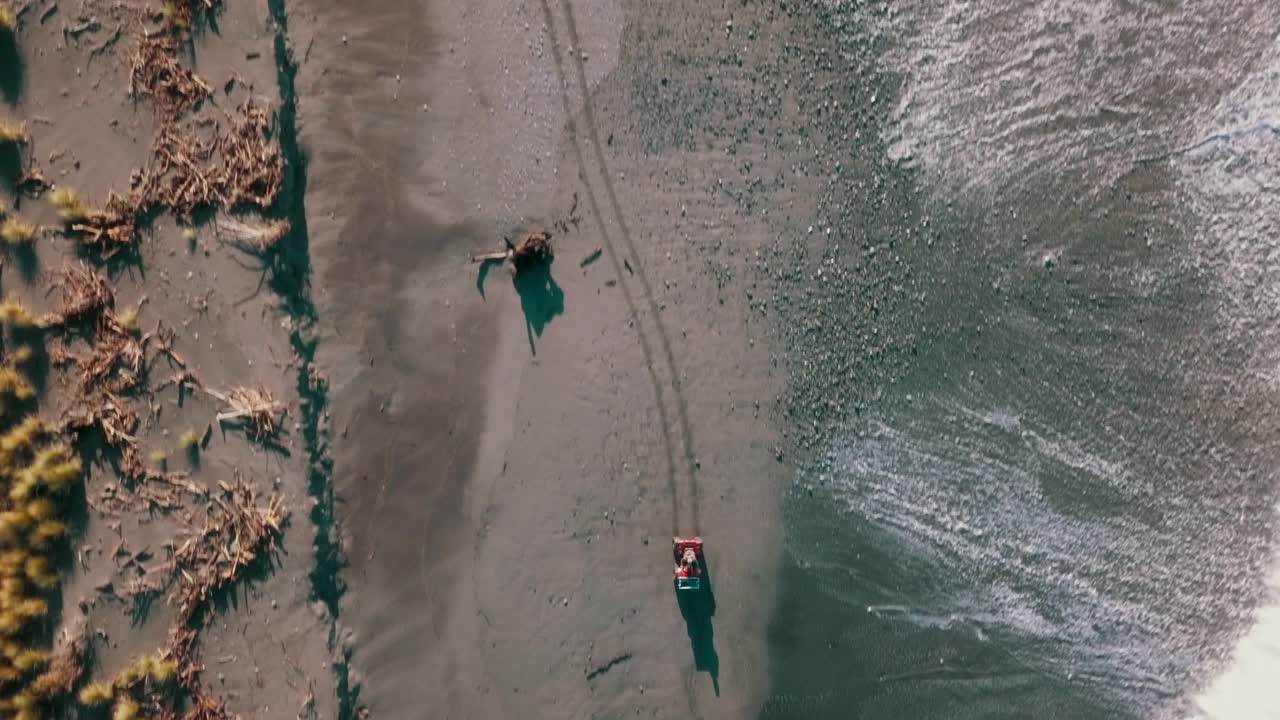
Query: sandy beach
[
  {"x": 481, "y": 470},
  {"x": 512, "y": 457}
]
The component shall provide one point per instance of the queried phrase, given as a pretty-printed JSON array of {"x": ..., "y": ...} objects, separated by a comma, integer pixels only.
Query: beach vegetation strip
[{"x": 203, "y": 162}]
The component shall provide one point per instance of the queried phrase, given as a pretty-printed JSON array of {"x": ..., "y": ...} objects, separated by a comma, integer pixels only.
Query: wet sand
[{"x": 511, "y": 458}]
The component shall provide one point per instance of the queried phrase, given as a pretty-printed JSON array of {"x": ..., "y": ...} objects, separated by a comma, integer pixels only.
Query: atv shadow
[{"x": 697, "y": 607}]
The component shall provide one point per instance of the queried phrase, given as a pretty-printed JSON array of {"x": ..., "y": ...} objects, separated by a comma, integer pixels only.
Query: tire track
[{"x": 593, "y": 141}]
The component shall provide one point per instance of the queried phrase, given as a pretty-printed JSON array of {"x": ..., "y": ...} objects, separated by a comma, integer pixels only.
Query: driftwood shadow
[
  {"x": 24, "y": 256},
  {"x": 541, "y": 299},
  {"x": 485, "y": 267},
  {"x": 10, "y": 163},
  {"x": 11, "y": 68},
  {"x": 698, "y": 607}
]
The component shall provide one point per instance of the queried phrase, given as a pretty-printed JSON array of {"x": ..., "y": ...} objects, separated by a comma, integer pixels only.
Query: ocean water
[{"x": 1065, "y": 503}]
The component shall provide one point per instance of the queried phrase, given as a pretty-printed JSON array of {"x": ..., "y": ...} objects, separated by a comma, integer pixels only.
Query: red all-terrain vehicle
[{"x": 689, "y": 562}]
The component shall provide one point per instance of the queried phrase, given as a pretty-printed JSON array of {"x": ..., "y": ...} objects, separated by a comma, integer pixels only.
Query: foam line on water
[{"x": 972, "y": 507}]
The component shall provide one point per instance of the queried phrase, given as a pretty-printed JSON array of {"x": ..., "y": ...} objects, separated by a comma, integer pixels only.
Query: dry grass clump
[
  {"x": 109, "y": 229},
  {"x": 11, "y": 132},
  {"x": 192, "y": 166},
  {"x": 237, "y": 531},
  {"x": 113, "y": 366},
  {"x": 254, "y": 238},
  {"x": 155, "y": 668},
  {"x": 237, "y": 168},
  {"x": 156, "y": 73},
  {"x": 189, "y": 439},
  {"x": 14, "y": 230},
  {"x": 8, "y": 18},
  {"x": 15, "y": 391},
  {"x": 85, "y": 294},
  {"x": 128, "y": 320},
  {"x": 254, "y": 408},
  {"x": 14, "y": 314},
  {"x": 70, "y": 207},
  {"x": 253, "y": 170},
  {"x": 37, "y": 474},
  {"x": 182, "y": 174},
  {"x": 65, "y": 668},
  {"x": 177, "y": 13},
  {"x": 126, "y": 708},
  {"x": 144, "y": 682},
  {"x": 95, "y": 694},
  {"x": 181, "y": 14},
  {"x": 109, "y": 414}
]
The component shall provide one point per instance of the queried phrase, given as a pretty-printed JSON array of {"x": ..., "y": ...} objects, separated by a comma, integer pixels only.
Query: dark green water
[{"x": 1034, "y": 385}]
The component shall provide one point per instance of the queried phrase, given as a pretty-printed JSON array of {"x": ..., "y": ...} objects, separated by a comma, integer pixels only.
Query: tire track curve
[{"x": 592, "y": 140}]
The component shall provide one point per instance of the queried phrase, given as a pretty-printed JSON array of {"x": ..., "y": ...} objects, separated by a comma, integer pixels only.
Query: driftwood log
[{"x": 534, "y": 249}]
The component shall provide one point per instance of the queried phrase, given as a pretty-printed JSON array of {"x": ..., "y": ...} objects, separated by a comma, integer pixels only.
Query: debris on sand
[
  {"x": 252, "y": 168},
  {"x": 256, "y": 410},
  {"x": 31, "y": 181},
  {"x": 113, "y": 366},
  {"x": 110, "y": 229},
  {"x": 181, "y": 14},
  {"x": 181, "y": 175},
  {"x": 203, "y": 158},
  {"x": 66, "y": 665},
  {"x": 191, "y": 170},
  {"x": 112, "y": 416},
  {"x": 188, "y": 171},
  {"x": 254, "y": 238},
  {"x": 155, "y": 73},
  {"x": 237, "y": 531},
  {"x": 534, "y": 249},
  {"x": 602, "y": 669},
  {"x": 85, "y": 294}
]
